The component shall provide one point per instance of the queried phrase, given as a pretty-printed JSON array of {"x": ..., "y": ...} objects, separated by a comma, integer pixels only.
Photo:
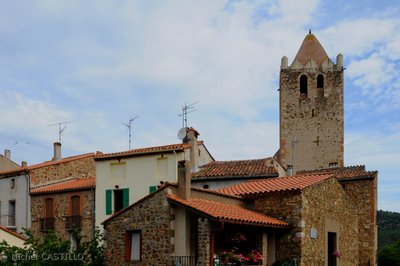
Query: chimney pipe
[
  {"x": 24, "y": 164},
  {"x": 191, "y": 139},
  {"x": 7, "y": 154},
  {"x": 57, "y": 151},
  {"x": 184, "y": 180},
  {"x": 289, "y": 170}
]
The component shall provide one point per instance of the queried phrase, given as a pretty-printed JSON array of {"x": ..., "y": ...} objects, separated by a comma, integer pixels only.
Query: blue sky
[{"x": 101, "y": 63}]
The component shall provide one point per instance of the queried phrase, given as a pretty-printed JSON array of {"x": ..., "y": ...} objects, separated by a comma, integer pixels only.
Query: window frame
[{"x": 128, "y": 245}]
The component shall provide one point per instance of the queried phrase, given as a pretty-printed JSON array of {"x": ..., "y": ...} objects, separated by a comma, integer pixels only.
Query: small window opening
[
  {"x": 118, "y": 200},
  {"x": 206, "y": 186},
  {"x": 320, "y": 81},
  {"x": 12, "y": 184},
  {"x": 333, "y": 164},
  {"x": 303, "y": 85}
]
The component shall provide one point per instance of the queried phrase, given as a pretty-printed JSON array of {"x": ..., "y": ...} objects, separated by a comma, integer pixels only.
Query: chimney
[
  {"x": 184, "y": 180},
  {"x": 57, "y": 151},
  {"x": 289, "y": 171},
  {"x": 24, "y": 164},
  {"x": 7, "y": 154},
  {"x": 191, "y": 139}
]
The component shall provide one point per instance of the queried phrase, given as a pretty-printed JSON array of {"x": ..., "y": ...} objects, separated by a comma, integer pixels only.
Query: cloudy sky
[{"x": 101, "y": 63}]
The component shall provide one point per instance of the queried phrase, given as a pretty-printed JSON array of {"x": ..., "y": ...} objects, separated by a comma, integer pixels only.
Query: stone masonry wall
[
  {"x": 364, "y": 195},
  {"x": 204, "y": 229},
  {"x": 287, "y": 206},
  {"x": 62, "y": 209},
  {"x": 80, "y": 168},
  {"x": 327, "y": 207},
  {"x": 312, "y": 126},
  {"x": 153, "y": 217}
]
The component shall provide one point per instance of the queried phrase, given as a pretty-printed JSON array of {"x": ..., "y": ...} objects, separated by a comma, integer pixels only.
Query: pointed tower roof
[{"x": 311, "y": 48}]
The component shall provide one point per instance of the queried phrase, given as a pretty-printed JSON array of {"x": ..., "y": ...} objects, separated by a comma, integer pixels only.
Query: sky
[{"x": 102, "y": 63}]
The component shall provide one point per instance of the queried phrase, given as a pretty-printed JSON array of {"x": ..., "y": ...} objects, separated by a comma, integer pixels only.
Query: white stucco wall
[{"x": 19, "y": 194}]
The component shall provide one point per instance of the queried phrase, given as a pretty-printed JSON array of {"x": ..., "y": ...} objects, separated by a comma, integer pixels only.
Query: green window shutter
[
  {"x": 152, "y": 189},
  {"x": 109, "y": 201},
  {"x": 125, "y": 197}
]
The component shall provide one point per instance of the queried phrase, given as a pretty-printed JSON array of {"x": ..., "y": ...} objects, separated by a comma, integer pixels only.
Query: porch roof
[{"x": 228, "y": 213}]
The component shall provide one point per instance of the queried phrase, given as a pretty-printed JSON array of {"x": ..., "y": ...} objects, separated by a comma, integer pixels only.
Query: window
[
  {"x": 152, "y": 189},
  {"x": 11, "y": 213},
  {"x": 303, "y": 85},
  {"x": 333, "y": 164},
  {"x": 74, "y": 220},
  {"x": 116, "y": 200},
  {"x": 47, "y": 223},
  {"x": 12, "y": 183},
  {"x": 320, "y": 81},
  {"x": 133, "y": 245}
]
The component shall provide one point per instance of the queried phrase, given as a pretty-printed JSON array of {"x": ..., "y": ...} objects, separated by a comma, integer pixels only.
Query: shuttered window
[{"x": 109, "y": 193}]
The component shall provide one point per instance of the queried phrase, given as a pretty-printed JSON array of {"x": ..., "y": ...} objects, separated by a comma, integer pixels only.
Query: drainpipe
[
  {"x": 92, "y": 214},
  {"x": 27, "y": 199}
]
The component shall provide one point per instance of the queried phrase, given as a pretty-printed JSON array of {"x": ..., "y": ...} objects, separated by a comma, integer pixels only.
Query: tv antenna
[
  {"x": 129, "y": 125},
  {"x": 61, "y": 127},
  {"x": 187, "y": 109}
]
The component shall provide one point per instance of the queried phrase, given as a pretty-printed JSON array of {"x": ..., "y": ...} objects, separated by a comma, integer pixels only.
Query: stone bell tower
[{"x": 311, "y": 109}]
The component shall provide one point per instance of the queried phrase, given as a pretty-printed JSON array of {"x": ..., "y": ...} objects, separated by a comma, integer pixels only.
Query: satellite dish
[{"x": 182, "y": 133}]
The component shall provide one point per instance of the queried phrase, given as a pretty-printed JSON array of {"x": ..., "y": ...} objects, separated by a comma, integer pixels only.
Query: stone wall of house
[
  {"x": 79, "y": 168},
  {"x": 312, "y": 125},
  {"x": 287, "y": 206},
  {"x": 152, "y": 216},
  {"x": 204, "y": 243},
  {"x": 328, "y": 208},
  {"x": 62, "y": 209},
  {"x": 364, "y": 195}
]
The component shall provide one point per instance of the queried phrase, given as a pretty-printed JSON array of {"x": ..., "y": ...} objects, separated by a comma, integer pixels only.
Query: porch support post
[
  {"x": 204, "y": 242},
  {"x": 265, "y": 248}
]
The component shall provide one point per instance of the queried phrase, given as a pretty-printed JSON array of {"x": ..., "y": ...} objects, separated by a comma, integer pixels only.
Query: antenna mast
[
  {"x": 129, "y": 125},
  {"x": 61, "y": 129},
  {"x": 187, "y": 109}
]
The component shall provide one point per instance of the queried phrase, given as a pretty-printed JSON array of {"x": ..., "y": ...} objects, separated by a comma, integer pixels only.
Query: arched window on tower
[
  {"x": 303, "y": 85},
  {"x": 320, "y": 85}
]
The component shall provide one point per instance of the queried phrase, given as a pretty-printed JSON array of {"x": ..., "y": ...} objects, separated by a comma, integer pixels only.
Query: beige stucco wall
[{"x": 11, "y": 239}]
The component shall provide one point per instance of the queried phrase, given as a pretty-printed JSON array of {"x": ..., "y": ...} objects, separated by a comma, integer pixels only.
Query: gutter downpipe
[
  {"x": 27, "y": 179},
  {"x": 92, "y": 215}
]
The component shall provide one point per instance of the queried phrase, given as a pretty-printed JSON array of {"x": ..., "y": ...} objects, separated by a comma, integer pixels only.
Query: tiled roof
[
  {"x": 148, "y": 150},
  {"x": 285, "y": 183},
  {"x": 228, "y": 213},
  {"x": 243, "y": 168},
  {"x": 311, "y": 48},
  {"x": 12, "y": 232},
  {"x": 47, "y": 163},
  {"x": 69, "y": 185},
  {"x": 345, "y": 173}
]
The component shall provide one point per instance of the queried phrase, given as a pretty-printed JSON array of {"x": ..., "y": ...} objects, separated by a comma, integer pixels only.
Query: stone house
[
  {"x": 125, "y": 177},
  {"x": 16, "y": 184},
  {"x": 183, "y": 224},
  {"x": 64, "y": 206}
]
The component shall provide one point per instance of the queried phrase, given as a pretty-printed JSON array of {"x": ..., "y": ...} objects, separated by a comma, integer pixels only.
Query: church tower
[{"x": 311, "y": 109}]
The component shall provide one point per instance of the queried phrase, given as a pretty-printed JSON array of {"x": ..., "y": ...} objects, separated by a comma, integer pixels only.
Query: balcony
[
  {"x": 184, "y": 260},
  {"x": 47, "y": 224},
  {"x": 74, "y": 221}
]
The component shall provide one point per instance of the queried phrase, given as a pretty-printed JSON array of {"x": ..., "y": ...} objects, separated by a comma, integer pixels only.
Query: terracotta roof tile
[
  {"x": 286, "y": 183},
  {"x": 229, "y": 213},
  {"x": 69, "y": 185},
  {"x": 345, "y": 173},
  {"x": 47, "y": 163},
  {"x": 311, "y": 48},
  {"x": 243, "y": 168},
  {"x": 140, "y": 151}
]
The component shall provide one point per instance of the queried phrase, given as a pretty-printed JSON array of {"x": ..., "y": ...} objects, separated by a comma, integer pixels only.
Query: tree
[
  {"x": 390, "y": 255},
  {"x": 51, "y": 250}
]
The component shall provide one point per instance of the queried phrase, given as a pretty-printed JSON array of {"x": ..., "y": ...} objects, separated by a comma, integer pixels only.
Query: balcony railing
[
  {"x": 74, "y": 221},
  {"x": 184, "y": 261},
  {"x": 47, "y": 224}
]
